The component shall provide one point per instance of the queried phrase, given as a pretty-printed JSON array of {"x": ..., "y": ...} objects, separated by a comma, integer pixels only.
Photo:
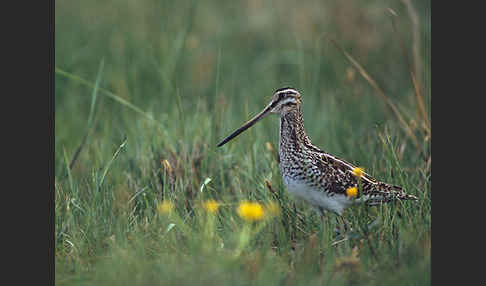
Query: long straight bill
[{"x": 247, "y": 125}]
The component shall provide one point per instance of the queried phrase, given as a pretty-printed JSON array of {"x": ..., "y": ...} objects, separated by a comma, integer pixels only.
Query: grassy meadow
[{"x": 145, "y": 90}]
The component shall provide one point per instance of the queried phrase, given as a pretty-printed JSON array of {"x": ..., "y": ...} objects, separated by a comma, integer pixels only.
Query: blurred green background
[
  {"x": 225, "y": 54},
  {"x": 174, "y": 78}
]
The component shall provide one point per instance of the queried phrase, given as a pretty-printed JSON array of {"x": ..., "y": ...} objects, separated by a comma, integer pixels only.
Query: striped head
[{"x": 283, "y": 100}]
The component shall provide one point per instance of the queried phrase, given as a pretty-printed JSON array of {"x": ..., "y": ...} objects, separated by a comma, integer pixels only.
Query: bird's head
[{"x": 283, "y": 100}]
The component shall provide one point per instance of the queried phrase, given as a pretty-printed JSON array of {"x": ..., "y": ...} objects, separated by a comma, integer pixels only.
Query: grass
[{"x": 145, "y": 90}]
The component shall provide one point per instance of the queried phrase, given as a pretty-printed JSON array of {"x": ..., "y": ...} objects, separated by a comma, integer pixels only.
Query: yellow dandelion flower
[
  {"x": 269, "y": 146},
  {"x": 352, "y": 192},
  {"x": 165, "y": 207},
  {"x": 211, "y": 206},
  {"x": 358, "y": 172},
  {"x": 250, "y": 211},
  {"x": 273, "y": 209}
]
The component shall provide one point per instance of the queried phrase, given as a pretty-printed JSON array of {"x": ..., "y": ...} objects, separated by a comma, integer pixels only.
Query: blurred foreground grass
[{"x": 146, "y": 89}]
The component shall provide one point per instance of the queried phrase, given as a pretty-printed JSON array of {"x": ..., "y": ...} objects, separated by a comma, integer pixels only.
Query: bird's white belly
[{"x": 317, "y": 198}]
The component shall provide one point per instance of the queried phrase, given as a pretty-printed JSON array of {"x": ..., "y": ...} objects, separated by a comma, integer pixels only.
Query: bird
[{"x": 324, "y": 181}]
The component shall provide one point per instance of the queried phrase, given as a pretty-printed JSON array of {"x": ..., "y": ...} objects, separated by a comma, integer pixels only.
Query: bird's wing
[{"x": 338, "y": 176}]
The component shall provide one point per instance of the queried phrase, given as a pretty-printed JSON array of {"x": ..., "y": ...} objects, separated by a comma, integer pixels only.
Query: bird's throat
[{"x": 292, "y": 133}]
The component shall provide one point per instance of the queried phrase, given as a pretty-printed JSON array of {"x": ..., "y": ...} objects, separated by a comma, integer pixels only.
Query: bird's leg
[
  {"x": 345, "y": 223},
  {"x": 320, "y": 211},
  {"x": 337, "y": 230},
  {"x": 340, "y": 221},
  {"x": 342, "y": 225}
]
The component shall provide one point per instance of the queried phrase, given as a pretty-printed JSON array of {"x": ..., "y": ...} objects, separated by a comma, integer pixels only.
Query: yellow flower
[
  {"x": 269, "y": 146},
  {"x": 211, "y": 206},
  {"x": 358, "y": 172},
  {"x": 165, "y": 207},
  {"x": 273, "y": 209},
  {"x": 352, "y": 192},
  {"x": 250, "y": 211}
]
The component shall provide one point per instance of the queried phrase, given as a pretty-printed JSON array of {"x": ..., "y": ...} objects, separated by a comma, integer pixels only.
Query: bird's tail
[{"x": 384, "y": 193}]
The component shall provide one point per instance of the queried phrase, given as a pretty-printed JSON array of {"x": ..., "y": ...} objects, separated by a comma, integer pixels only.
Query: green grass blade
[
  {"x": 111, "y": 161},
  {"x": 68, "y": 169},
  {"x": 106, "y": 92},
  {"x": 91, "y": 112},
  {"x": 95, "y": 92}
]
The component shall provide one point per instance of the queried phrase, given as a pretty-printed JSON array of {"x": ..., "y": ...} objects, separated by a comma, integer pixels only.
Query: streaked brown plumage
[{"x": 311, "y": 174}]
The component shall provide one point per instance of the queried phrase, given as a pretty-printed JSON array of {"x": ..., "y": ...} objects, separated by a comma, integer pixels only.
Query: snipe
[{"x": 319, "y": 178}]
